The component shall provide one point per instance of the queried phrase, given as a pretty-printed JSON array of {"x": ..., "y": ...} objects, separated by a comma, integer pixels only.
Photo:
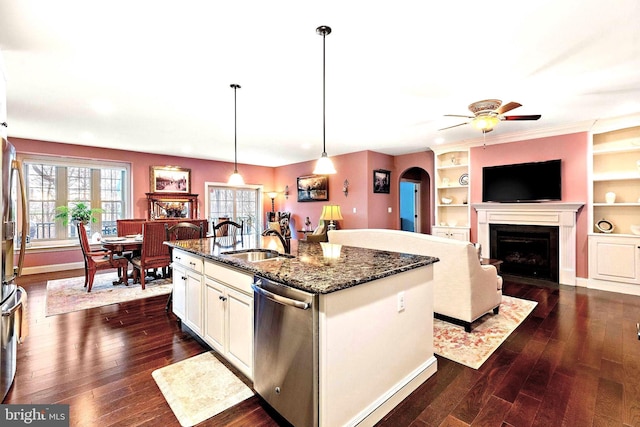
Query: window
[
  {"x": 239, "y": 204},
  {"x": 52, "y": 182}
]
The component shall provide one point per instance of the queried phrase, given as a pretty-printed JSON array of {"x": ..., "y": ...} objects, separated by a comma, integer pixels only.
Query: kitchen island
[{"x": 373, "y": 343}]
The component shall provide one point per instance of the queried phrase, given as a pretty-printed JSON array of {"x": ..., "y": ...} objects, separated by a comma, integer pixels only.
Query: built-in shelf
[{"x": 452, "y": 219}]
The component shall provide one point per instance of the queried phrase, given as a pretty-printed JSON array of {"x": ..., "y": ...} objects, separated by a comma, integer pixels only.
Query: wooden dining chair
[
  {"x": 228, "y": 233},
  {"x": 99, "y": 260},
  {"x": 181, "y": 231},
  {"x": 129, "y": 226},
  {"x": 154, "y": 253}
]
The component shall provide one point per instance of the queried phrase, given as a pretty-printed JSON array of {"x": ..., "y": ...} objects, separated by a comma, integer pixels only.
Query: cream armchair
[{"x": 464, "y": 290}]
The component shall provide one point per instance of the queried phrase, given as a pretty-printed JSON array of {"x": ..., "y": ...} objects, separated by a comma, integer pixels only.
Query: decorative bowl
[
  {"x": 446, "y": 200},
  {"x": 635, "y": 229}
]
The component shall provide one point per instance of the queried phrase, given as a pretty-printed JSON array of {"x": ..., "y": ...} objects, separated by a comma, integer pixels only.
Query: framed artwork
[
  {"x": 381, "y": 181},
  {"x": 313, "y": 188},
  {"x": 169, "y": 179}
]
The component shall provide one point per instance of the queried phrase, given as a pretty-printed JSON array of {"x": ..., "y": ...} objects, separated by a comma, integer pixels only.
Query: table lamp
[{"x": 331, "y": 213}]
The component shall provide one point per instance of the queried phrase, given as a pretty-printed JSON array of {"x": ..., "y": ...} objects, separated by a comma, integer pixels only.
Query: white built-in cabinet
[
  {"x": 452, "y": 213},
  {"x": 615, "y": 256},
  {"x": 187, "y": 289},
  {"x": 229, "y": 314},
  {"x": 216, "y": 302}
]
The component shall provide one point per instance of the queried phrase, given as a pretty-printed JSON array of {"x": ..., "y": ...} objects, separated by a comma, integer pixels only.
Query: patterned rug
[
  {"x": 67, "y": 295},
  {"x": 199, "y": 388},
  {"x": 487, "y": 333}
]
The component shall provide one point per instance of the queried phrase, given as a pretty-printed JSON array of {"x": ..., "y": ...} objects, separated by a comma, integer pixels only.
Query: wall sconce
[
  {"x": 345, "y": 187},
  {"x": 286, "y": 192}
]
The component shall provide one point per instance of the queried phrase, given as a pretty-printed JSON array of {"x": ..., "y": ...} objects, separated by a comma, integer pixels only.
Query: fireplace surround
[{"x": 554, "y": 214}]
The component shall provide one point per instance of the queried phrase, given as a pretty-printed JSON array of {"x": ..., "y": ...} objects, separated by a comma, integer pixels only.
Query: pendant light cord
[
  {"x": 235, "y": 127},
  {"x": 324, "y": 108}
]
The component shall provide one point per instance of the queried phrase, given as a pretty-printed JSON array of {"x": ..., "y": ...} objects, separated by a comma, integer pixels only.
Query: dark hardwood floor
[{"x": 575, "y": 361}]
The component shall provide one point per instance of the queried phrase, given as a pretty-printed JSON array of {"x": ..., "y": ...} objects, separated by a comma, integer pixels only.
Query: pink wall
[
  {"x": 423, "y": 160},
  {"x": 370, "y": 208},
  {"x": 571, "y": 149},
  {"x": 201, "y": 171}
]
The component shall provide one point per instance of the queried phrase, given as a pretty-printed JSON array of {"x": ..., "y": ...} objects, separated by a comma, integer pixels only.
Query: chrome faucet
[{"x": 285, "y": 243}]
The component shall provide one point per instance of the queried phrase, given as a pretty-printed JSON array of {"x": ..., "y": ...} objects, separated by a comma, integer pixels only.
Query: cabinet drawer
[
  {"x": 229, "y": 276},
  {"x": 192, "y": 262}
]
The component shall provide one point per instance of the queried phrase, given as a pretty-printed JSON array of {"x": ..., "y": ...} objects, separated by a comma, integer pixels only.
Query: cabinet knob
[
  {"x": 222, "y": 298},
  {"x": 184, "y": 277}
]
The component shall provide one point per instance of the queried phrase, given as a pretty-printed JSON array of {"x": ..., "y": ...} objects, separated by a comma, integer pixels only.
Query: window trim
[
  {"x": 93, "y": 163},
  {"x": 260, "y": 199}
]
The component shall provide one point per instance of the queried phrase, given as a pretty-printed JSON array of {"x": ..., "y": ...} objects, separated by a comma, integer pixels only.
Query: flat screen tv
[{"x": 522, "y": 182}]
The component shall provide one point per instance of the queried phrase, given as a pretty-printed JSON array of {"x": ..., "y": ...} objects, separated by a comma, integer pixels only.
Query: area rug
[
  {"x": 67, "y": 295},
  {"x": 487, "y": 333},
  {"x": 199, "y": 388}
]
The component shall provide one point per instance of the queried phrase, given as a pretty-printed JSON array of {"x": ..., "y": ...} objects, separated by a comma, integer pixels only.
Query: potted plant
[{"x": 78, "y": 213}]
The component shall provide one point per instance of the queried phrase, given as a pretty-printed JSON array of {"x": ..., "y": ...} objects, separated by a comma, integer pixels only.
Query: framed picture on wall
[
  {"x": 313, "y": 188},
  {"x": 381, "y": 181},
  {"x": 169, "y": 179}
]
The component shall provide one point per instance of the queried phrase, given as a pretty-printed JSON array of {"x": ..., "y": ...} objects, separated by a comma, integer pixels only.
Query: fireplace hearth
[{"x": 529, "y": 251}]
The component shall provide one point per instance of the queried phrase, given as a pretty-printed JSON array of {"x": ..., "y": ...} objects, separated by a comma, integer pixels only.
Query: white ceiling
[{"x": 154, "y": 76}]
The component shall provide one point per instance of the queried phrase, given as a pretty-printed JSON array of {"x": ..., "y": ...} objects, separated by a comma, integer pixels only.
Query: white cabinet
[
  {"x": 188, "y": 289},
  {"x": 229, "y": 314},
  {"x": 452, "y": 194},
  {"x": 614, "y": 258},
  {"x": 457, "y": 233}
]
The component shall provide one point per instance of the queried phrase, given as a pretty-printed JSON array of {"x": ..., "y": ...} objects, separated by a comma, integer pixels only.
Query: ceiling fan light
[
  {"x": 324, "y": 166},
  {"x": 485, "y": 123}
]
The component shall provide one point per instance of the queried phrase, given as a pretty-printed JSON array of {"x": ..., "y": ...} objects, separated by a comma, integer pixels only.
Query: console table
[{"x": 172, "y": 205}]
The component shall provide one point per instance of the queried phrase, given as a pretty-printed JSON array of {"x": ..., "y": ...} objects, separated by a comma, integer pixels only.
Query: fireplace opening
[{"x": 529, "y": 251}]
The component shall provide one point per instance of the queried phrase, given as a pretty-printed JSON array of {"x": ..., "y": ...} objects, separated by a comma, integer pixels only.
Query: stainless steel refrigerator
[{"x": 12, "y": 297}]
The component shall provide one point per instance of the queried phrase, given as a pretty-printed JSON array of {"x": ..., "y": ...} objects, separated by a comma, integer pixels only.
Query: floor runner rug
[
  {"x": 67, "y": 295},
  {"x": 199, "y": 388},
  {"x": 487, "y": 333}
]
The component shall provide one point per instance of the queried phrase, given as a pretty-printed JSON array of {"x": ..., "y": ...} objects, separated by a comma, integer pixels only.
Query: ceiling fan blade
[
  {"x": 458, "y": 115},
  {"x": 454, "y": 126},
  {"x": 508, "y": 107},
  {"x": 529, "y": 117}
]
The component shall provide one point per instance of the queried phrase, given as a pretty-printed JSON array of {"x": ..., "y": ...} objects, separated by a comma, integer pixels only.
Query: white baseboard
[
  {"x": 50, "y": 268},
  {"x": 382, "y": 406},
  {"x": 621, "y": 288}
]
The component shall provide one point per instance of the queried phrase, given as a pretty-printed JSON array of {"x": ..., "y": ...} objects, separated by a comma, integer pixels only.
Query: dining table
[{"x": 120, "y": 244}]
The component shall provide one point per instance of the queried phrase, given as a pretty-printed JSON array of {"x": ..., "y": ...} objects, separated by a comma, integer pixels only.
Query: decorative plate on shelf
[
  {"x": 464, "y": 179},
  {"x": 604, "y": 226}
]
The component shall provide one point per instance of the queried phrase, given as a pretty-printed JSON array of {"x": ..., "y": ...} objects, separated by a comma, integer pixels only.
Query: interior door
[{"x": 409, "y": 206}]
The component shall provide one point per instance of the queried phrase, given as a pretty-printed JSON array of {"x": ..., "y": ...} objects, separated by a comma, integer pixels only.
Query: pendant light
[
  {"x": 235, "y": 178},
  {"x": 324, "y": 165}
]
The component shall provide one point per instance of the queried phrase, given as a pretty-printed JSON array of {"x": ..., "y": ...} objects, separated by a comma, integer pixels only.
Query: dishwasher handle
[{"x": 279, "y": 298}]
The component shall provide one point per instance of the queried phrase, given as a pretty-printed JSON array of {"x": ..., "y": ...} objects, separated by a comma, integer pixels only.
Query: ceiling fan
[{"x": 487, "y": 114}]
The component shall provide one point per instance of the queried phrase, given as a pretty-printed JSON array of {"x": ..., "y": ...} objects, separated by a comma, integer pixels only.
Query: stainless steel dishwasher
[{"x": 285, "y": 350}]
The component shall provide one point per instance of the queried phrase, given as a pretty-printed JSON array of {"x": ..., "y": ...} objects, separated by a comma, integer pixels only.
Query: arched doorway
[{"x": 415, "y": 201}]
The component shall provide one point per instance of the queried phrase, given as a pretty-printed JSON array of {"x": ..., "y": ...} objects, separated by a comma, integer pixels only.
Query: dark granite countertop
[{"x": 309, "y": 270}]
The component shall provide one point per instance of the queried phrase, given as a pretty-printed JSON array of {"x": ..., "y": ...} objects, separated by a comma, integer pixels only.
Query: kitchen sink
[{"x": 257, "y": 255}]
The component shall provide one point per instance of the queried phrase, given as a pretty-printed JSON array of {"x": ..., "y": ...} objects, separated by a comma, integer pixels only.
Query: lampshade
[
  {"x": 331, "y": 213},
  {"x": 485, "y": 123},
  {"x": 324, "y": 165},
  {"x": 272, "y": 194},
  {"x": 235, "y": 179}
]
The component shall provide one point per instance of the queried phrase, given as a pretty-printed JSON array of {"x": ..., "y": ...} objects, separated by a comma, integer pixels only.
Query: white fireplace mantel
[{"x": 560, "y": 214}]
